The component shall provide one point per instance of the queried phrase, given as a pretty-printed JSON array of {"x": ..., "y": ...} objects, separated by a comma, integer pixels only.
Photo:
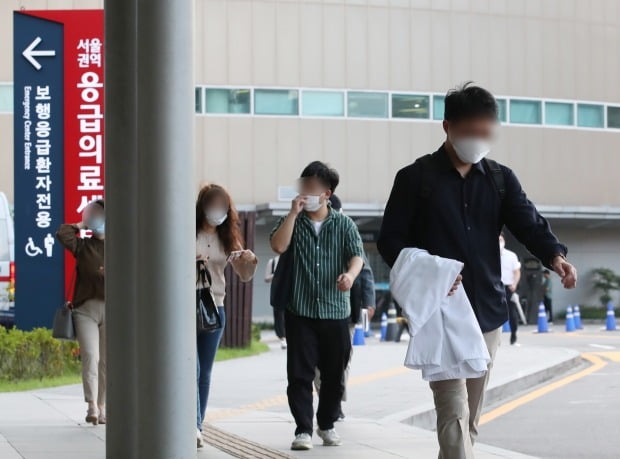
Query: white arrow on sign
[{"x": 30, "y": 53}]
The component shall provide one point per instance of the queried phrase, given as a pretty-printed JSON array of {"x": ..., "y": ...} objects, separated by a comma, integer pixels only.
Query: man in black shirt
[{"x": 454, "y": 203}]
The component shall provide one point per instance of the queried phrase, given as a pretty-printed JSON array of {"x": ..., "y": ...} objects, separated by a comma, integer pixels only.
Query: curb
[{"x": 426, "y": 418}]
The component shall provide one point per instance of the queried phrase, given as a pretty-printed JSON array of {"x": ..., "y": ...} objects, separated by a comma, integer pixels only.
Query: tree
[{"x": 606, "y": 281}]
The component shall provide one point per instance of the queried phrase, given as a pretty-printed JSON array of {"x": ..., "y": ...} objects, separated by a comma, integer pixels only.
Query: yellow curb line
[{"x": 594, "y": 358}]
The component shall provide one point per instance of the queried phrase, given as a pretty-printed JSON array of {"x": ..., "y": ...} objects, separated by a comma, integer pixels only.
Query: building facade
[{"x": 360, "y": 84}]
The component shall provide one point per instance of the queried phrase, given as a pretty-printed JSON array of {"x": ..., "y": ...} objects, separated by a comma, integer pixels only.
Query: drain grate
[{"x": 239, "y": 447}]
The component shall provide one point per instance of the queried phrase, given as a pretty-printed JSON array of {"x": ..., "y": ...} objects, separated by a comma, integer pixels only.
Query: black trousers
[
  {"x": 548, "y": 307},
  {"x": 278, "y": 322},
  {"x": 513, "y": 314},
  {"x": 316, "y": 343}
]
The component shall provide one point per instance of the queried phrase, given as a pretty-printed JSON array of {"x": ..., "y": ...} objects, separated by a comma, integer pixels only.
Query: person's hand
[
  {"x": 371, "y": 312},
  {"x": 456, "y": 284},
  {"x": 248, "y": 256},
  {"x": 297, "y": 205},
  {"x": 566, "y": 271},
  {"x": 344, "y": 282},
  {"x": 512, "y": 288},
  {"x": 202, "y": 258}
]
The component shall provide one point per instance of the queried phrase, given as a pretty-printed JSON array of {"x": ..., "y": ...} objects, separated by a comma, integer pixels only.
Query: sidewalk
[{"x": 248, "y": 401}]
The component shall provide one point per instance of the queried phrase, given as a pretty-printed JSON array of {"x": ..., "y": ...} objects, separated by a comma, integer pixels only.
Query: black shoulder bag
[
  {"x": 207, "y": 316},
  {"x": 282, "y": 281}
]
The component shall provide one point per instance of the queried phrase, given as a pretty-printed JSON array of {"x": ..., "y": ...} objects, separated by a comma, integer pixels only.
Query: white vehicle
[{"x": 7, "y": 263}]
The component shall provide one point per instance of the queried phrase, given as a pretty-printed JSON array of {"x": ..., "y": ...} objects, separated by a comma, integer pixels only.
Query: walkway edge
[{"x": 424, "y": 417}]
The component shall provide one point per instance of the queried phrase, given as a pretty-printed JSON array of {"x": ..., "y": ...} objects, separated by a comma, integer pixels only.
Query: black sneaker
[{"x": 513, "y": 339}]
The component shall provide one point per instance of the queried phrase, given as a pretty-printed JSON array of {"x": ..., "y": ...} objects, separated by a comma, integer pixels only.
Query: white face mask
[
  {"x": 313, "y": 203},
  {"x": 216, "y": 217},
  {"x": 471, "y": 150}
]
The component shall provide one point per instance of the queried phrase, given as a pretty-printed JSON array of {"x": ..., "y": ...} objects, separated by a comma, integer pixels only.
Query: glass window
[
  {"x": 367, "y": 104},
  {"x": 276, "y": 102},
  {"x": 589, "y": 115},
  {"x": 6, "y": 98},
  {"x": 410, "y": 106},
  {"x": 198, "y": 100},
  {"x": 613, "y": 117},
  {"x": 525, "y": 111},
  {"x": 559, "y": 114},
  {"x": 501, "y": 110},
  {"x": 438, "y": 107},
  {"x": 323, "y": 103},
  {"x": 227, "y": 100}
]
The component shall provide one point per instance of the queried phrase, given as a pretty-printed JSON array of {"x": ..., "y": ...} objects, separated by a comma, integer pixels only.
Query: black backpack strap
[
  {"x": 426, "y": 172},
  {"x": 497, "y": 175}
]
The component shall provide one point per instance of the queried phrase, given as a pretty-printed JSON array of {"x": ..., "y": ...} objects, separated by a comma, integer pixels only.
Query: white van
[{"x": 7, "y": 263}]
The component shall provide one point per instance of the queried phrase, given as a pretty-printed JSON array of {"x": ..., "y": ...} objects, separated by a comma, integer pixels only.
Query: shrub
[{"x": 35, "y": 355}]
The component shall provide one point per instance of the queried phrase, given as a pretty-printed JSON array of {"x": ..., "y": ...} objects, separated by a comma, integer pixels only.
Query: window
[
  {"x": 227, "y": 100},
  {"x": 501, "y": 110},
  {"x": 438, "y": 107},
  {"x": 525, "y": 111},
  {"x": 198, "y": 100},
  {"x": 589, "y": 115},
  {"x": 367, "y": 104},
  {"x": 323, "y": 103},
  {"x": 559, "y": 114},
  {"x": 410, "y": 106},
  {"x": 6, "y": 98},
  {"x": 613, "y": 117},
  {"x": 276, "y": 102}
]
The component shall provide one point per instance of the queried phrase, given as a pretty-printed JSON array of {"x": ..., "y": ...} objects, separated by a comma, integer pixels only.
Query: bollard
[
  {"x": 506, "y": 327},
  {"x": 392, "y": 325},
  {"x": 570, "y": 320},
  {"x": 577, "y": 317},
  {"x": 383, "y": 326},
  {"x": 543, "y": 326},
  {"x": 358, "y": 335},
  {"x": 610, "y": 324}
]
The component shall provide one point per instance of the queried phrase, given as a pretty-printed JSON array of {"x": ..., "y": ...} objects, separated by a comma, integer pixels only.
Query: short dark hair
[
  {"x": 546, "y": 271},
  {"x": 326, "y": 175},
  {"x": 469, "y": 101},
  {"x": 335, "y": 202}
]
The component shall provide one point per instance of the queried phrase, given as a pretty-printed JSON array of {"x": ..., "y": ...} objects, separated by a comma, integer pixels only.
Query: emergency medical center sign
[{"x": 58, "y": 135}]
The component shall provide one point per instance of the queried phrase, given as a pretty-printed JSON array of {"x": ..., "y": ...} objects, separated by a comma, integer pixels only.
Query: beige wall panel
[
  {"x": 354, "y": 176},
  {"x": 6, "y": 34},
  {"x": 335, "y": 144},
  {"x": 479, "y": 59},
  {"x": 515, "y": 7},
  {"x": 612, "y": 76},
  {"x": 310, "y": 142},
  {"x": 287, "y": 45},
  {"x": 311, "y": 44},
  {"x": 500, "y": 65},
  {"x": 421, "y": 4},
  {"x": 495, "y": 6},
  {"x": 400, "y": 49},
  {"x": 378, "y": 48},
  {"x": 357, "y": 47},
  {"x": 214, "y": 151},
  {"x": 567, "y": 9},
  {"x": 533, "y": 8},
  {"x": 400, "y": 149},
  {"x": 460, "y": 5},
  {"x": 266, "y": 164},
  {"x": 533, "y": 49},
  {"x": 582, "y": 60},
  {"x": 239, "y": 46},
  {"x": 460, "y": 50},
  {"x": 441, "y": 57},
  {"x": 441, "y": 4},
  {"x": 334, "y": 46},
  {"x": 422, "y": 49},
  {"x": 264, "y": 55},
  {"x": 377, "y": 174},
  {"x": 241, "y": 161},
  {"x": 288, "y": 148},
  {"x": 599, "y": 63},
  {"x": 517, "y": 58},
  {"x": 597, "y": 11},
  {"x": 213, "y": 65}
]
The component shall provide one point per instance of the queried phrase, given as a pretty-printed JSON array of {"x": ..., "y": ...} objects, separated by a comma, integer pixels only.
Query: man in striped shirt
[{"x": 327, "y": 254}]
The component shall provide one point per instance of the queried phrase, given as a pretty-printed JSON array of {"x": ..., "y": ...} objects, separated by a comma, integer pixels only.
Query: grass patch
[
  {"x": 31, "y": 384},
  {"x": 225, "y": 353}
]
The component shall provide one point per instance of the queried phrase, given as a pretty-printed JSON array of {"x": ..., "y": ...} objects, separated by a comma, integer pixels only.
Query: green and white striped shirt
[{"x": 318, "y": 261}]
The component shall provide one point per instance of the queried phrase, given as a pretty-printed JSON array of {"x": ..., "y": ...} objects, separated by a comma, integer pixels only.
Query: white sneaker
[
  {"x": 330, "y": 437},
  {"x": 283, "y": 343},
  {"x": 302, "y": 442},
  {"x": 199, "y": 441}
]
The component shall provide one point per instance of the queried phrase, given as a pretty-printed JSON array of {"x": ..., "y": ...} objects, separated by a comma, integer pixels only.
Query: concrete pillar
[
  {"x": 121, "y": 172},
  {"x": 159, "y": 222}
]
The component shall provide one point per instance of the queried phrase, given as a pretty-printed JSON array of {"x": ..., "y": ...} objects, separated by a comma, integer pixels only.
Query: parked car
[{"x": 7, "y": 264}]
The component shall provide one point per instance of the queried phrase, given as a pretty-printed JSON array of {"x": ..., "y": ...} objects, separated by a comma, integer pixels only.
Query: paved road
[{"x": 574, "y": 417}]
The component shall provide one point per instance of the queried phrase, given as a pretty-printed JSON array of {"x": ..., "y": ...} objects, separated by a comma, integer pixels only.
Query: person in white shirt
[
  {"x": 278, "y": 314},
  {"x": 511, "y": 274}
]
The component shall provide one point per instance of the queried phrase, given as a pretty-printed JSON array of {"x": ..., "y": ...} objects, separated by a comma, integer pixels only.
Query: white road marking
[{"x": 602, "y": 346}]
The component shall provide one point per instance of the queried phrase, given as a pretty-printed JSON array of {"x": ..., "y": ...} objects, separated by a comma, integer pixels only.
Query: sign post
[{"x": 58, "y": 131}]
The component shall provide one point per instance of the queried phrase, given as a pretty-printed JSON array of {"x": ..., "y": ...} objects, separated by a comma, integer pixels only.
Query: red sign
[{"x": 83, "y": 111}]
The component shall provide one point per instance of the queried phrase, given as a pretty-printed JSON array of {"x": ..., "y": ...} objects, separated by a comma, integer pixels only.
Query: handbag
[
  {"x": 282, "y": 281},
  {"x": 63, "y": 327},
  {"x": 207, "y": 316}
]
